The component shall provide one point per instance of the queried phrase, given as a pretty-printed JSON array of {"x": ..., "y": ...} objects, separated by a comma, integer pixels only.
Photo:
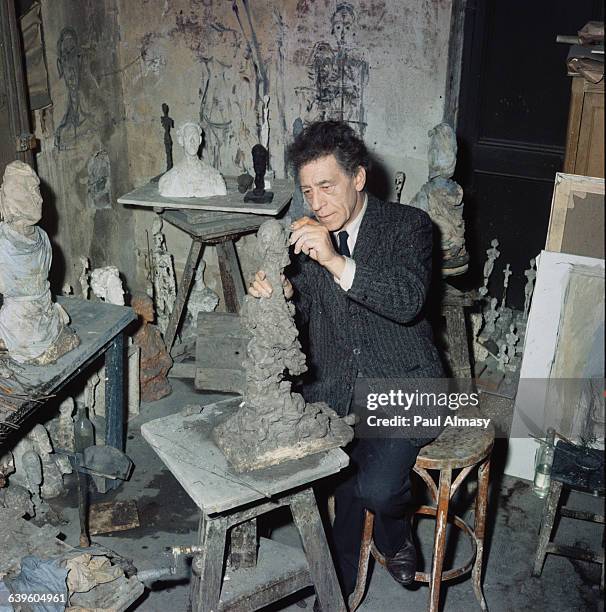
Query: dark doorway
[{"x": 513, "y": 111}]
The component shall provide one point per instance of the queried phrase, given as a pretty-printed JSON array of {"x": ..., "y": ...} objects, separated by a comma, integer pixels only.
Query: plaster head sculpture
[
  {"x": 107, "y": 286},
  {"x": 191, "y": 177},
  {"x": 32, "y": 328},
  {"x": 442, "y": 154}
]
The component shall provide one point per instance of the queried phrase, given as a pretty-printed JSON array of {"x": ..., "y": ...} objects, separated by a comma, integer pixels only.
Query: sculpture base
[
  {"x": 259, "y": 198},
  {"x": 246, "y": 452},
  {"x": 66, "y": 342}
]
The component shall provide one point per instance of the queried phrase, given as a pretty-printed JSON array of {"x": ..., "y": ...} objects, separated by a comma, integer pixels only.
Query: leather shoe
[{"x": 403, "y": 565}]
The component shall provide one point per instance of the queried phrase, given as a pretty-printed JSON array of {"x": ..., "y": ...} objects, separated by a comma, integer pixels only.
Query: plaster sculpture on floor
[
  {"x": 399, "y": 180},
  {"x": 201, "y": 299},
  {"x": 107, "y": 286},
  {"x": 492, "y": 254},
  {"x": 442, "y": 198},
  {"x": 155, "y": 362},
  {"x": 191, "y": 177},
  {"x": 61, "y": 427},
  {"x": 84, "y": 278},
  {"x": 502, "y": 358},
  {"x": 165, "y": 286},
  {"x": 531, "y": 275},
  {"x": 32, "y": 328},
  {"x": 258, "y": 194},
  {"x": 273, "y": 424},
  {"x": 479, "y": 352}
]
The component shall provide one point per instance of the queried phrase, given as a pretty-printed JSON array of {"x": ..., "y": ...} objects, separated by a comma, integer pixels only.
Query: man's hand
[
  {"x": 261, "y": 287},
  {"x": 314, "y": 240}
]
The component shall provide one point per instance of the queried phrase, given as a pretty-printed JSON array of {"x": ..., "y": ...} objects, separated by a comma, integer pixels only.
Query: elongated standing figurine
[
  {"x": 530, "y": 274},
  {"x": 167, "y": 124}
]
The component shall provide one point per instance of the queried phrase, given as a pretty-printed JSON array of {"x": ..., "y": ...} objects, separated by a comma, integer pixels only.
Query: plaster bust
[
  {"x": 191, "y": 177},
  {"x": 32, "y": 327}
]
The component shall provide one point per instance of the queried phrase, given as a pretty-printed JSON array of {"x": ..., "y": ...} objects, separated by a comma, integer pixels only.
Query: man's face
[
  {"x": 333, "y": 195},
  {"x": 191, "y": 141}
]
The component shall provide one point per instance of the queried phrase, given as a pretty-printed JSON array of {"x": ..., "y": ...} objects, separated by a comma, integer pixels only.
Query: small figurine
[
  {"x": 531, "y": 275},
  {"x": 191, "y": 177},
  {"x": 167, "y": 124},
  {"x": 155, "y": 360},
  {"x": 165, "y": 287},
  {"x": 490, "y": 318},
  {"x": 32, "y": 327},
  {"x": 506, "y": 275},
  {"x": 492, "y": 253},
  {"x": 399, "y": 181},
  {"x": 84, "y": 277},
  {"x": 258, "y": 194},
  {"x": 502, "y": 358},
  {"x": 201, "y": 299}
]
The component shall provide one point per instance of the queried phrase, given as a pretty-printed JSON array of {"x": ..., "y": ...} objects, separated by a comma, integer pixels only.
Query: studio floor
[{"x": 168, "y": 517}]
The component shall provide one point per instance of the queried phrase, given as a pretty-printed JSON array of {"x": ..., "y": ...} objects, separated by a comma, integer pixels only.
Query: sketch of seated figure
[{"x": 191, "y": 177}]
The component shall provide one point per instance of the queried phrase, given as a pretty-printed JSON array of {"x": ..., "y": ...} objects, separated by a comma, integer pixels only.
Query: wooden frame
[{"x": 566, "y": 187}]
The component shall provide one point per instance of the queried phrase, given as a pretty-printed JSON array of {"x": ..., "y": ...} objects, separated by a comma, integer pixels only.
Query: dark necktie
[{"x": 343, "y": 246}]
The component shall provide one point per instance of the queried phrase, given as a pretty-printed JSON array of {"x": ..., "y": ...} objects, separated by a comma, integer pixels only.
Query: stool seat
[{"x": 456, "y": 447}]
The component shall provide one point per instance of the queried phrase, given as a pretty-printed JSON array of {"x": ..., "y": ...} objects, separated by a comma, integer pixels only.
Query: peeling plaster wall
[
  {"x": 379, "y": 64},
  {"x": 86, "y": 117}
]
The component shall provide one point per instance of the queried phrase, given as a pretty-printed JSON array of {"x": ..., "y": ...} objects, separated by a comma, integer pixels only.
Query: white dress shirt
[{"x": 352, "y": 227}]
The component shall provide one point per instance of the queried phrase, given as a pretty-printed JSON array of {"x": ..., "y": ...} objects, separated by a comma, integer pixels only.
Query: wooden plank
[
  {"x": 243, "y": 545},
  {"x": 575, "y": 113},
  {"x": 216, "y": 352},
  {"x": 182, "y": 370},
  {"x": 231, "y": 276},
  {"x": 206, "y": 475},
  {"x": 210, "y": 565},
  {"x": 148, "y": 196},
  {"x": 108, "y": 517}
]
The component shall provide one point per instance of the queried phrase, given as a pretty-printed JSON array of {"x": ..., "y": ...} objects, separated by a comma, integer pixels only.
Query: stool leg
[
  {"x": 439, "y": 543},
  {"x": 307, "y": 519},
  {"x": 356, "y": 597},
  {"x": 480, "y": 529},
  {"x": 550, "y": 509},
  {"x": 206, "y": 591}
]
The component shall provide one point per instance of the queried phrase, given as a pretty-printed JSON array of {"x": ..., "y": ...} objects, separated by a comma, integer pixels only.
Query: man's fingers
[{"x": 301, "y": 222}]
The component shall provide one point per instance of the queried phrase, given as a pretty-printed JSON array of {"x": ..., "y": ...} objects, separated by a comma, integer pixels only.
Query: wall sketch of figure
[
  {"x": 69, "y": 64},
  {"x": 338, "y": 75}
]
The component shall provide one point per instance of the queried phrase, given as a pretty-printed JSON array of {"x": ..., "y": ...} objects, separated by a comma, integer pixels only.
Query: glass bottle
[
  {"x": 83, "y": 429},
  {"x": 542, "y": 464}
]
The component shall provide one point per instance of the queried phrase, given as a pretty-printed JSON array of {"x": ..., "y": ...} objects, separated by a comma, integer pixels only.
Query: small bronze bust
[{"x": 258, "y": 194}]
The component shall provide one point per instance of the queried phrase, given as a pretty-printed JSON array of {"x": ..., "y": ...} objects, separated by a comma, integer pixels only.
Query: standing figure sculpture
[
  {"x": 273, "y": 424},
  {"x": 32, "y": 327},
  {"x": 492, "y": 255},
  {"x": 165, "y": 287},
  {"x": 191, "y": 177},
  {"x": 258, "y": 194},
  {"x": 506, "y": 274},
  {"x": 399, "y": 180},
  {"x": 167, "y": 123},
  {"x": 442, "y": 198},
  {"x": 531, "y": 275}
]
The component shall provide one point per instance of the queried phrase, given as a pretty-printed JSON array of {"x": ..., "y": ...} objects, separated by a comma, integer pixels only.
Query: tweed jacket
[{"x": 376, "y": 329}]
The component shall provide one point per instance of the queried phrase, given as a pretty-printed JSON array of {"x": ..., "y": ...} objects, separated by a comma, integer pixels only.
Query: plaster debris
[{"x": 273, "y": 424}]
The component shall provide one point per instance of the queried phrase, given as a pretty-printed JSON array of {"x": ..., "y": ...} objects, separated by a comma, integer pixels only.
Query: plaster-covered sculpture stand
[
  {"x": 273, "y": 424},
  {"x": 32, "y": 327}
]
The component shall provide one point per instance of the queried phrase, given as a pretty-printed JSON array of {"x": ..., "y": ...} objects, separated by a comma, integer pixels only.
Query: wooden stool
[
  {"x": 582, "y": 470},
  {"x": 461, "y": 448}
]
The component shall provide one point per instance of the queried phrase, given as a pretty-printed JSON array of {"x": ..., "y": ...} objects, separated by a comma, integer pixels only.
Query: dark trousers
[{"x": 378, "y": 479}]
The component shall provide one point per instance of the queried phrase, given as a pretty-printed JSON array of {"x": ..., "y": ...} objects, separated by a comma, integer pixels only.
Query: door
[{"x": 513, "y": 112}]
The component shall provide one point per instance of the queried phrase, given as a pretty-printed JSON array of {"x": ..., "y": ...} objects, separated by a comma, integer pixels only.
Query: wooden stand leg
[
  {"x": 243, "y": 549},
  {"x": 206, "y": 586},
  {"x": 439, "y": 543},
  {"x": 114, "y": 393},
  {"x": 184, "y": 286},
  {"x": 550, "y": 509},
  {"x": 231, "y": 276},
  {"x": 307, "y": 519},
  {"x": 480, "y": 529},
  {"x": 356, "y": 597}
]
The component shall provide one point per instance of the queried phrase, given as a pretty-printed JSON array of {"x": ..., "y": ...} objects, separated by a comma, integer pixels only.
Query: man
[{"x": 361, "y": 291}]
